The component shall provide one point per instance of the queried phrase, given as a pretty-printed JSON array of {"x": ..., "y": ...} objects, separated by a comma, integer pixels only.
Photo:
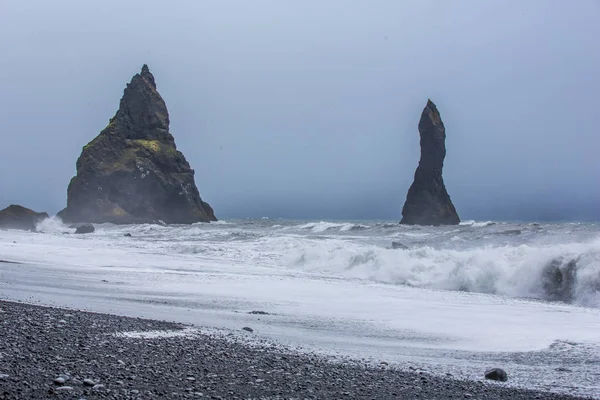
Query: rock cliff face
[
  {"x": 427, "y": 201},
  {"x": 132, "y": 171},
  {"x": 19, "y": 217}
]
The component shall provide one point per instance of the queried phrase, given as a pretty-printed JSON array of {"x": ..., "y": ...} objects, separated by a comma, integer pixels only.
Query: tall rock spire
[
  {"x": 427, "y": 201},
  {"x": 132, "y": 171}
]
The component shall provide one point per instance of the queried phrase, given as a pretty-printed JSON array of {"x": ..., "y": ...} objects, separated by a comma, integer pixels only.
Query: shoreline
[{"x": 41, "y": 344}]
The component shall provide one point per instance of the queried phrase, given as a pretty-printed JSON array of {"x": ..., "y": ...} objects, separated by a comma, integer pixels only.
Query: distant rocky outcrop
[
  {"x": 427, "y": 201},
  {"x": 19, "y": 217},
  {"x": 132, "y": 171}
]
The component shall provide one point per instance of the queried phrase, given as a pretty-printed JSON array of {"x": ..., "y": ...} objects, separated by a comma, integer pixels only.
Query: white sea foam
[
  {"x": 220, "y": 222},
  {"x": 353, "y": 227},
  {"x": 323, "y": 226},
  {"x": 516, "y": 271},
  {"x": 546, "y": 270},
  {"x": 477, "y": 224}
]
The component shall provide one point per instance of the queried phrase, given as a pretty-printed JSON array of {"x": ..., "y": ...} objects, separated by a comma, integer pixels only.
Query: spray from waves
[
  {"x": 52, "y": 225},
  {"x": 566, "y": 272}
]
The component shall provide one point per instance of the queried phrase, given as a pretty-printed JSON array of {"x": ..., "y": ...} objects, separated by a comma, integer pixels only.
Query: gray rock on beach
[{"x": 496, "y": 374}]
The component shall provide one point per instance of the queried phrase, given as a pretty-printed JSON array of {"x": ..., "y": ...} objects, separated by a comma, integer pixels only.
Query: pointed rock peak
[
  {"x": 431, "y": 113},
  {"x": 147, "y": 76},
  {"x": 142, "y": 112},
  {"x": 431, "y": 107}
]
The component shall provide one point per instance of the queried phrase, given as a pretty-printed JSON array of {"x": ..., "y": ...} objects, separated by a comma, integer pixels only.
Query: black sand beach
[{"x": 40, "y": 347}]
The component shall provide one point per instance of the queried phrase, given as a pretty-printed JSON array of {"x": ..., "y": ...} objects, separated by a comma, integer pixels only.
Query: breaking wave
[
  {"x": 53, "y": 225},
  {"x": 559, "y": 262},
  {"x": 567, "y": 272},
  {"x": 323, "y": 226},
  {"x": 476, "y": 224}
]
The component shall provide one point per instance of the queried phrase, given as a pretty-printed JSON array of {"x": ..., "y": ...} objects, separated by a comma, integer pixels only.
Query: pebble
[
  {"x": 64, "y": 389},
  {"x": 88, "y": 382},
  {"x": 248, "y": 329},
  {"x": 496, "y": 374},
  {"x": 59, "y": 381}
]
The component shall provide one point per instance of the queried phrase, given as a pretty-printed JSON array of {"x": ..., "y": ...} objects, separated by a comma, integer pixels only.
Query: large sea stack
[
  {"x": 132, "y": 171},
  {"x": 427, "y": 201}
]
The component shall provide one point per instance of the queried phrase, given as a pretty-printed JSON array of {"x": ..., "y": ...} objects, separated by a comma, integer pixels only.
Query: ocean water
[{"x": 460, "y": 299}]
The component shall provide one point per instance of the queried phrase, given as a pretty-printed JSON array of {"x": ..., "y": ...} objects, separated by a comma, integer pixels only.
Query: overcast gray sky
[{"x": 316, "y": 103}]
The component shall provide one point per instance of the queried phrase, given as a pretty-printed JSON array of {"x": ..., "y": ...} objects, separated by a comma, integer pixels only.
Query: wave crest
[
  {"x": 567, "y": 272},
  {"x": 323, "y": 226}
]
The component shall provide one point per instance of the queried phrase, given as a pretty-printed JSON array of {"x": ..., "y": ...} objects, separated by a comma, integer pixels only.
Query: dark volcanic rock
[
  {"x": 428, "y": 202},
  {"x": 85, "y": 228},
  {"x": 18, "y": 217},
  {"x": 132, "y": 171},
  {"x": 496, "y": 374},
  {"x": 559, "y": 278}
]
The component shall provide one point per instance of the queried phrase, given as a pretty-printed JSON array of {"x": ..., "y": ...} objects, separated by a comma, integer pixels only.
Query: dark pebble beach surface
[{"x": 50, "y": 353}]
